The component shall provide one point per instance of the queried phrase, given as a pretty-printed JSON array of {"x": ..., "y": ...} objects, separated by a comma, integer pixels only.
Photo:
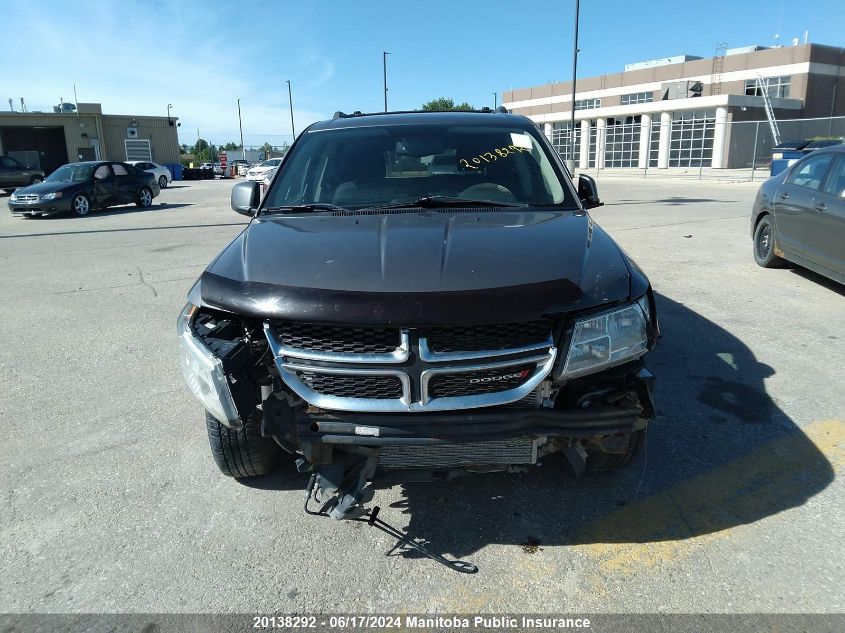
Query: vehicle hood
[
  {"x": 421, "y": 268},
  {"x": 49, "y": 187}
]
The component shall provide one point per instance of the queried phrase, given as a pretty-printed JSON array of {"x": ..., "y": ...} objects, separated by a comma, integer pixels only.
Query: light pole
[
  {"x": 169, "y": 122},
  {"x": 241, "y": 126},
  {"x": 571, "y": 161},
  {"x": 290, "y": 100},
  {"x": 495, "y": 100},
  {"x": 384, "y": 55}
]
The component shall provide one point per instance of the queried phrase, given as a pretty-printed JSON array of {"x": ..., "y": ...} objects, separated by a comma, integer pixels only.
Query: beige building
[
  {"x": 49, "y": 140},
  {"x": 680, "y": 111}
]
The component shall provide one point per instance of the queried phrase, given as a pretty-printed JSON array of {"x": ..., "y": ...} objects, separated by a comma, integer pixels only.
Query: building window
[
  {"x": 776, "y": 87},
  {"x": 691, "y": 138},
  {"x": 587, "y": 104},
  {"x": 622, "y": 144},
  {"x": 637, "y": 97},
  {"x": 561, "y": 138}
]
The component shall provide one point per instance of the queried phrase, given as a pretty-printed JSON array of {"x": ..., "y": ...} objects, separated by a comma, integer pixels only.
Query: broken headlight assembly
[
  {"x": 607, "y": 339},
  {"x": 204, "y": 373}
]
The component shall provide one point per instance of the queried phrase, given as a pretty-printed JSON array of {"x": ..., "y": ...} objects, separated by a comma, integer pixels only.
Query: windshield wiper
[
  {"x": 433, "y": 202},
  {"x": 314, "y": 206}
]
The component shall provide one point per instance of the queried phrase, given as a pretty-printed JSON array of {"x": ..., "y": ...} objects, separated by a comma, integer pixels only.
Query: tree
[
  {"x": 442, "y": 103},
  {"x": 267, "y": 149},
  {"x": 200, "y": 145},
  {"x": 231, "y": 146}
]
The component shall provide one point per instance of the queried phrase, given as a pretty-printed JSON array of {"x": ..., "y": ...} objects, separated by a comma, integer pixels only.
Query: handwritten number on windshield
[{"x": 500, "y": 152}]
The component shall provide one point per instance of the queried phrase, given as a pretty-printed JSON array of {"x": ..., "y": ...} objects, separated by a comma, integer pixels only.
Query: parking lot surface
[{"x": 110, "y": 500}]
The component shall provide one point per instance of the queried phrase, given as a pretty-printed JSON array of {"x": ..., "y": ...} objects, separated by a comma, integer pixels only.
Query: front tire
[
  {"x": 162, "y": 182},
  {"x": 765, "y": 238},
  {"x": 241, "y": 453},
  {"x": 80, "y": 204},
  {"x": 145, "y": 198}
]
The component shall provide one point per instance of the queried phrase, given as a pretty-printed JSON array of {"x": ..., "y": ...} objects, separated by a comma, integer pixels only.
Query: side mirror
[
  {"x": 588, "y": 192},
  {"x": 245, "y": 197}
]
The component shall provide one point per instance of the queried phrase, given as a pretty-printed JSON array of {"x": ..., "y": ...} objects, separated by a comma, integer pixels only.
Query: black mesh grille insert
[
  {"x": 343, "y": 386},
  {"x": 477, "y": 338},
  {"x": 338, "y": 338},
  {"x": 479, "y": 382}
]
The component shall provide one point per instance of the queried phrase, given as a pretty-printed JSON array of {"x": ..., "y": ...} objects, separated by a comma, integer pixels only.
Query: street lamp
[
  {"x": 495, "y": 100},
  {"x": 169, "y": 122},
  {"x": 571, "y": 161},
  {"x": 290, "y": 100},
  {"x": 241, "y": 126},
  {"x": 384, "y": 55}
]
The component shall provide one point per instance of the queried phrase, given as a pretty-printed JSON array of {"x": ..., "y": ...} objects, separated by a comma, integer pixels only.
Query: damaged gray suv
[{"x": 418, "y": 294}]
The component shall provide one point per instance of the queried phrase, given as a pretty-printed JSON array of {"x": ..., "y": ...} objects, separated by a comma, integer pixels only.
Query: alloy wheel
[
  {"x": 80, "y": 205},
  {"x": 764, "y": 241}
]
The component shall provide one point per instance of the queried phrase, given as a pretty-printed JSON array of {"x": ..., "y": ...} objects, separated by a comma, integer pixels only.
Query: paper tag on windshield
[{"x": 521, "y": 140}]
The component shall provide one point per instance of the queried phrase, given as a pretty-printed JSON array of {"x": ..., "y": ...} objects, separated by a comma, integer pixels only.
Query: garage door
[{"x": 138, "y": 149}]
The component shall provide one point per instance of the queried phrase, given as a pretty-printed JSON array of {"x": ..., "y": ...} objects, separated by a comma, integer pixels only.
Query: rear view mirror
[
  {"x": 246, "y": 197},
  {"x": 588, "y": 192}
]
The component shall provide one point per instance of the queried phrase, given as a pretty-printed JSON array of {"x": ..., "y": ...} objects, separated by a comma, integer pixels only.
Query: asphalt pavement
[{"x": 110, "y": 500}]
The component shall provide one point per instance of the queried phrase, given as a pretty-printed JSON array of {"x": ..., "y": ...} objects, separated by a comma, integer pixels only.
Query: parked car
[
  {"x": 372, "y": 323},
  {"x": 13, "y": 174},
  {"x": 257, "y": 173},
  {"x": 799, "y": 215},
  {"x": 162, "y": 173},
  {"x": 82, "y": 187},
  {"x": 268, "y": 177}
]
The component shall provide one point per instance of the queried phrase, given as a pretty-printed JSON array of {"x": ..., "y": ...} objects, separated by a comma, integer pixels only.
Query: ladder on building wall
[
  {"x": 718, "y": 67},
  {"x": 763, "y": 89}
]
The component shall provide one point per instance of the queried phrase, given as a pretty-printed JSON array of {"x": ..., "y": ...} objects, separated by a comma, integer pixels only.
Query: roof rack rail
[{"x": 357, "y": 113}]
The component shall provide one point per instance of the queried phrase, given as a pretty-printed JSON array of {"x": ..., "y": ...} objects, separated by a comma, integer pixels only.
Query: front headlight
[
  {"x": 204, "y": 373},
  {"x": 608, "y": 339},
  {"x": 52, "y": 196}
]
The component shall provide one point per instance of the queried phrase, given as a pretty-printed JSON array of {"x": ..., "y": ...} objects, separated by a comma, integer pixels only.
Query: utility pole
[
  {"x": 384, "y": 55},
  {"x": 241, "y": 126},
  {"x": 168, "y": 114},
  {"x": 290, "y": 100},
  {"x": 495, "y": 100},
  {"x": 571, "y": 161}
]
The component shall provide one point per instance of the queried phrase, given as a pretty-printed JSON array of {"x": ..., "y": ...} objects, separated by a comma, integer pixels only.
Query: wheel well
[{"x": 759, "y": 217}]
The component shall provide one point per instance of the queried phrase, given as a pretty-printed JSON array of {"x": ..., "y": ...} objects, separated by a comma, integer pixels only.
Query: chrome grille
[
  {"x": 477, "y": 382},
  {"x": 338, "y": 339},
  {"x": 353, "y": 386},
  {"x": 476, "y": 338},
  {"x": 27, "y": 197},
  {"x": 515, "y": 451},
  {"x": 410, "y": 377}
]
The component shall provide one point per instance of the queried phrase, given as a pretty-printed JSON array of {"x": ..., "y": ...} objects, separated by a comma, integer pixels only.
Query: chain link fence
[{"x": 690, "y": 145}]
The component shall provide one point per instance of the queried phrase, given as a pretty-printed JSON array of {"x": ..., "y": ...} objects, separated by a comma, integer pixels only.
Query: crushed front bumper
[{"x": 466, "y": 426}]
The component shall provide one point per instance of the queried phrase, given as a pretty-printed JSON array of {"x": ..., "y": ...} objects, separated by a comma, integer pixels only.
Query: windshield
[
  {"x": 395, "y": 164},
  {"x": 271, "y": 163},
  {"x": 72, "y": 173}
]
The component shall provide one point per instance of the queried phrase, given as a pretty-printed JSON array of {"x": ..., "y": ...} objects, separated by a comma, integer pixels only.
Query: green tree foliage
[
  {"x": 231, "y": 146},
  {"x": 200, "y": 145},
  {"x": 442, "y": 103}
]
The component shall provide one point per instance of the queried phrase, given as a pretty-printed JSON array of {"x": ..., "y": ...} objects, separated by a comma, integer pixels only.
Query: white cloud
[{"x": 135, "y": 58}]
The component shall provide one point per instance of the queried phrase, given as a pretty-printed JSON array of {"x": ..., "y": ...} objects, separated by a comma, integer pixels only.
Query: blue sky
[{"x": 136, "y": 57}]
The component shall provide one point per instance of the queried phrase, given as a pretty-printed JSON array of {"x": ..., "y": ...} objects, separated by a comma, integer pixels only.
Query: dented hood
[{"x": 425, "y": 268}]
